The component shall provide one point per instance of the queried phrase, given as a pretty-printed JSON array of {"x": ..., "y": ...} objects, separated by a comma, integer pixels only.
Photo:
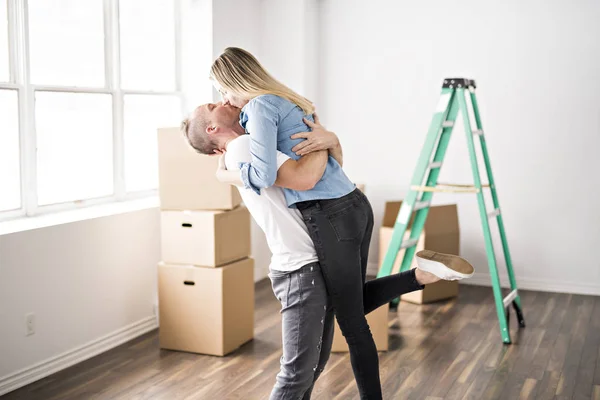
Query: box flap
[
  {"x": 440, "y": 219},
  {"x": 392, "y": 208}
]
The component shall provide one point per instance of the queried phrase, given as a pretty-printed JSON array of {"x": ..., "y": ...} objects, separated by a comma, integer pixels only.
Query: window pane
[
  {"x": 10, "y": 171},
  {"x": 147, "y": 31},
  {"x": 75, "y": 146},
  {"x": 4, "y": 68},
  {"x": 67, "y": 42},
  {"x": 143, "y": 116}
]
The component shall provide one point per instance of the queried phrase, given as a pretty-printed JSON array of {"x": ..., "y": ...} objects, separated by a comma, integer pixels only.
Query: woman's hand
[{"x": 319, "y": 139}]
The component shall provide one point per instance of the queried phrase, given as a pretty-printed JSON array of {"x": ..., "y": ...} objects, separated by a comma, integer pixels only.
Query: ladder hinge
[
  {"x": 478, "y": 132},
  {"x": 419, "y": 205},
  {"x": 447, "y": 124},
  {"x": 494, "y": 213},
  {"x": 409, "y": 243},
  {"x": 437, "y": 164}
]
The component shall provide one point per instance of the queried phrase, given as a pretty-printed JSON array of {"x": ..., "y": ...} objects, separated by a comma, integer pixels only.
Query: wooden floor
[{"x": 448, "y": 350}]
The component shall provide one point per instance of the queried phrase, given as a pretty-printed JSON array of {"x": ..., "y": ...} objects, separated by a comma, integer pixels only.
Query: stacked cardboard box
[
  {"x": 206, "y": 277},
  {"x": 440, "y": 233}
]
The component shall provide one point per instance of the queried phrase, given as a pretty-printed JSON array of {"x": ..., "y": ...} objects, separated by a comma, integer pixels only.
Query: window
[
  {"x": 10, "y": 174},
  {"x": 85, "y": 85},
  {"x": 66, "y": 41},
  {"x": 4, "y": 63},
  {"x": 75, "y": 146},
  {"x": 143, "y": 115},
  {"x": 147, "y": 31}
]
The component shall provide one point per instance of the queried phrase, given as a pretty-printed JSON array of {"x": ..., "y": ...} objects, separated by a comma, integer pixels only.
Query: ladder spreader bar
[
  {"x": 445, "y": 189},
  {"x": 509, "y": 299}
]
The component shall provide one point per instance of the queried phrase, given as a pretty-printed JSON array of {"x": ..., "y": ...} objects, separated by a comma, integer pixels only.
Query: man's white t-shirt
[{"x": 284, "y": 228}]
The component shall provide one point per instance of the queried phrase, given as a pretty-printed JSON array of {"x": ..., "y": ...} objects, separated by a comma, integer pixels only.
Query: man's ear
[{"x": 211, "y": 129}]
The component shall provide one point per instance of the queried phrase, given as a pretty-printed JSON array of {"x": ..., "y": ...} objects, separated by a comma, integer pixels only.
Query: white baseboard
[
  {"x": 52, "y": 365},
  {"x": 542, "y": 285}
]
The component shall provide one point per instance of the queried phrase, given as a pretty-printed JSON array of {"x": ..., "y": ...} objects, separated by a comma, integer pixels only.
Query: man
[{"x": 297, "y": 280}]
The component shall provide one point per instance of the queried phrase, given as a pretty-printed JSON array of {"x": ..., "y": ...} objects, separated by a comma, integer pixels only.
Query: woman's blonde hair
[{"x": 240, "y": 73}]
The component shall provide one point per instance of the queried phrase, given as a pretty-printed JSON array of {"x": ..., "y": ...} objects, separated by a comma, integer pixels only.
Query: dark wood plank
[
  {"x": 528, "y": 390},
  {"x": 531, "y": 339},
  {"x": 566, "y": 384},
  {"x": 448, "y": 350},
  {"x": 551, "y": 321},
  {"x": 520, "y": 339},
  {"x": 445, "y": 345},
  {"x": 547, "y": 386},
  {"x": 465, "y": 379},
  {"x": 589, "y": 356}
]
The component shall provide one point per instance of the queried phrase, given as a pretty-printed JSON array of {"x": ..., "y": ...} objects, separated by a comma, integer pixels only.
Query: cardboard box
[
  {"x": 206, "y": 310},
  {"x": 187, "y": 179},
  {"x": 205, "y": 238},
  {"x": 441, "y": 233},
  {"x": 385, "y": 236},
  {"x": 378, "y": 323}
]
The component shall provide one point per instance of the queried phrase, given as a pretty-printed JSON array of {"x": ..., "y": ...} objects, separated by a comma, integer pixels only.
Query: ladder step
[
  {"x": 478, "y": 132},
  {"x": 461, "y": 185},
  {"x": 419, "y": 205},
  {"x": 408, "y": 243},
  {"x": 445, "y": 189},
  {"x": 494, "y": 213},
  {"x": 447, "y": 124},
  {"x": 509, "y": 299},
  {"x": 437, "y": 164}
]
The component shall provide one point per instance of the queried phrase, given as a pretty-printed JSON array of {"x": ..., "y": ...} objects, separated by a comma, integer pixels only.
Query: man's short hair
[{"x": 194, "y": 129}]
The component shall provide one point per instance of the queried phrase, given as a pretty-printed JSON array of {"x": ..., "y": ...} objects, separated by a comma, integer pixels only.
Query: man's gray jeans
[{"x": 307, "y": 330}]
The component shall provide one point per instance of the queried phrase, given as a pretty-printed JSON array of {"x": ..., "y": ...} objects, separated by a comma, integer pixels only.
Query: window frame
[{"x": 19, "y": 80}]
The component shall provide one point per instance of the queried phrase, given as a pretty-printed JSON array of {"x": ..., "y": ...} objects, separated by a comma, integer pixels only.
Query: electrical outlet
[{"x": 29, "y": 324}]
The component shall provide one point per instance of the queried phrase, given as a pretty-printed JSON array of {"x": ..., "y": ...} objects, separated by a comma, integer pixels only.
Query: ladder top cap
[{"x": 451, "y": 83}]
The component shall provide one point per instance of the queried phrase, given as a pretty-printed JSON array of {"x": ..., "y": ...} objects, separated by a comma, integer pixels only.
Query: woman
[{"x": 338, "y": 216}]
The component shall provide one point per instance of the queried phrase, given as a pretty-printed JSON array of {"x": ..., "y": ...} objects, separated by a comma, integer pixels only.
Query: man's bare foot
[{"x": 425, "y": 278}]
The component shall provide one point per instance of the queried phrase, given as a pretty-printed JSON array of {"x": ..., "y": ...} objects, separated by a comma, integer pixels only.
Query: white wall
[
  {"x": 83, "y": 281},
  {"x": 536, "y": 64},
  {"x": 258, "y": 26},
  {"x": 290, "y": 34},
  {"x": 375, "y": 78},
  {"x": 197, "y": 51},
  {"x": 92, "y": 284},
  {"x": 238, "y": 23}
]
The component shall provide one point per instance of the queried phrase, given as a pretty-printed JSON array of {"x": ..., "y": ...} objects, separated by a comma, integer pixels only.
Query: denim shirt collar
[{"x": 244, "y": 118}]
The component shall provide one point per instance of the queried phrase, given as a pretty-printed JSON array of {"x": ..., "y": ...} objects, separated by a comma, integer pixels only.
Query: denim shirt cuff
[{"x": 245, "y": 170}]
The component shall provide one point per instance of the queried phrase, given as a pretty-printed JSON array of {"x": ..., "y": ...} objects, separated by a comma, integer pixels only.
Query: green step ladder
[{"x": 418, "y": 199}]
